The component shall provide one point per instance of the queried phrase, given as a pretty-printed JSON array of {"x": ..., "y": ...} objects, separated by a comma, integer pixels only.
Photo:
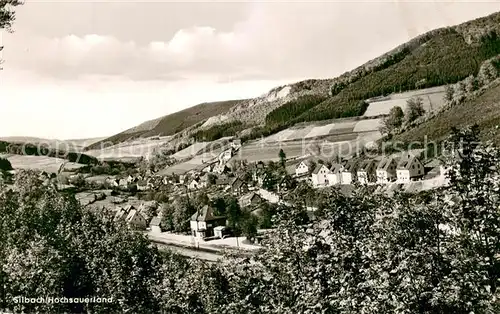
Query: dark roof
[
  {"x": 351, "y": 165},
  {"x": 386, "y": 162},
  {"x": 205, "y": 214},
  {"x": 336, "y": 168},
  {"x": 318, "y": 168},
  {"x": 405, "y": 162},
  {"x": 366, "y": 164}
]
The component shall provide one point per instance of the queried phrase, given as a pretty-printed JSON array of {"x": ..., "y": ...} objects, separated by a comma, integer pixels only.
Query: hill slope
[
  {"x": 170, "y": 124},
  {"x": 439, "y": 57},
  {"x": 483, "y": 110}
]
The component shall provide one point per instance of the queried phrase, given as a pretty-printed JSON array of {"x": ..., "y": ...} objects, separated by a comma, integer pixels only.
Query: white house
[
  {"x": 301, "y": 169},
  {"x": 386, "y": 170},
  {"x": 320, "y": 175},
  {"x": 367, "y": 171},
  {"x": 135, "y": 220},
  {"x": 349, "y": 171},
  {"x": 335, "y": 175},
  {"x": 409, "y": 168}
]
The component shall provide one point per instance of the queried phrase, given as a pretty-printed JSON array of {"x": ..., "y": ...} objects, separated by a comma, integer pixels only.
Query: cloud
[{"x": 274, "y": 41}]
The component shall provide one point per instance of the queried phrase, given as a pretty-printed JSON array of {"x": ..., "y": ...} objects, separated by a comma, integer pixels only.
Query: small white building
[
  {"x": 335, "y": 175},
  {"x": 367, "y": 171},
  {"x": 301, "y": 169},
  {"x": 320, "y": 175},
  {"x": 386, "y": 170},
  {"x": 154, "y": 225},
  {"x": 409, "y": 168}
]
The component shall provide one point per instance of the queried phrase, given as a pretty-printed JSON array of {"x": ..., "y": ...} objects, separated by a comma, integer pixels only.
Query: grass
[{"x": 484, "y": 110}]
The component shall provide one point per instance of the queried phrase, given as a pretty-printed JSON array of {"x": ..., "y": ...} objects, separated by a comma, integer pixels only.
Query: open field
[
  {"x": 141, "y": 148},
  {"x": 181, "y": 168},
  {"x": 433, "y": 99},
  {"x": 367, "y": 125},
  {"x": 48, "y": 164},
  {"x": 191, "y": 150}
]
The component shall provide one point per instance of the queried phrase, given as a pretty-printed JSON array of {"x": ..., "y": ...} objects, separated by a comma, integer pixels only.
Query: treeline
[
  {"x": 218, "y": 131},
  {"x": 108, "y": 168},
  {"x": 292, "y": 109},
  {"x": 45, "y": 150}
]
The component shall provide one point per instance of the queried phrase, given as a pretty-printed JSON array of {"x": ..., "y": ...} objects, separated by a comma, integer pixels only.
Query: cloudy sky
[{"x": 79, "y": 69}]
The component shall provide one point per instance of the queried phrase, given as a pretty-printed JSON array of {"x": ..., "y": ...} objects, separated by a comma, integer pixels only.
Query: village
[{"x": 142, "y": 198}]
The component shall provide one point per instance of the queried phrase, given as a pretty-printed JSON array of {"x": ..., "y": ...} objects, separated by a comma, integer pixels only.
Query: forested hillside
[{"x": 172, "y": 123}]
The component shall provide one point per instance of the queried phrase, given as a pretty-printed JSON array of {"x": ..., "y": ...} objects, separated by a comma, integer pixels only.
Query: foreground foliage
[{"x": 435, "y": 252}]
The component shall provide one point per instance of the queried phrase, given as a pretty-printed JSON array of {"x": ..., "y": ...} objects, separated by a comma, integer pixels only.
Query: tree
[
  {"x": 7, "y": 16},
  {"x": 448, "y": 93},
  {"x": 249, "y": 225},
  {"x": 414, "y": 109},
  {"x": 51, "y": 246},
  {"x": 393, "y": 121},
  {"x": 167, "y": 217},
  {"x": 282, "y": 157},
  {"x": 184, "y": 209},
  {"x": 5, "y": 164}
]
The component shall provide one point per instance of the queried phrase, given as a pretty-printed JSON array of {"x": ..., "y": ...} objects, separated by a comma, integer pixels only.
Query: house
[
  {"x": 320, "y": 175},
  {"x": 301, "y": 169},
  {"x": 225, "y": 156},
  {"x": 195, "y": 184},
  {"x": 123, "y": 182},
  {"x": 204, "y": 221},
  {"x": 250, "y": 199},
  {"x": 142, "y": 185},
  {"x": 349, "y": 171},
  {"x": 122, "y": 213},
  {"x": 367, "y": 171},
  {"x": 220, "y": 168},
  {"x": 335, "y": 175},
  {"x": 286, "y": 183},
  {"x": 386, "y": 170},
  {"x": 154, "y": 225},
  {"x": 182, "y": 178},
  {"x": 113, "y": 182},
  {"x": 135, "y": 220},
  {"x": 238, "y": 186},
  {"x": 409, "y": 168}
]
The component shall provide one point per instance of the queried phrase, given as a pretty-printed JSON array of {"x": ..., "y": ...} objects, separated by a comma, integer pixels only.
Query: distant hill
[
  {"x": 439, "y": 57},
  {"x": 170, "y": 124}
]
